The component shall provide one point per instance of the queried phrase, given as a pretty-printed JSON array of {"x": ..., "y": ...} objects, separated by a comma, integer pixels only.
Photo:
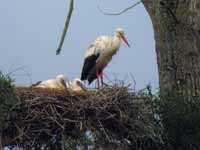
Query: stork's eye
[{"x": 121, "y": 33}]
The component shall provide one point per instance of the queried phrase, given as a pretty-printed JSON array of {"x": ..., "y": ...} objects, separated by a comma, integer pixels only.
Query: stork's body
[
  {"x": 99, "y": 54},
  {"x": 58, "y": 83}
]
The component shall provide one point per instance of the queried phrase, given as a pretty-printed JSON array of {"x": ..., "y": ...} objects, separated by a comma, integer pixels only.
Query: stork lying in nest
[{"x": 61, "y": 82}]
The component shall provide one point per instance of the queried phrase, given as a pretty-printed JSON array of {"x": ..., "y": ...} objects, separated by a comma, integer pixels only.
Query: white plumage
[
  {"x": 99, "y": 54},
  {"x": 103, "y": 44},
  {"x": 76, "y": 85},
  {"x": 58, "y": 83}
]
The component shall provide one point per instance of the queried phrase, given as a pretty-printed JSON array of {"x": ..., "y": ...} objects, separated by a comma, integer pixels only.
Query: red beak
[{"x": 125, "y": 40}]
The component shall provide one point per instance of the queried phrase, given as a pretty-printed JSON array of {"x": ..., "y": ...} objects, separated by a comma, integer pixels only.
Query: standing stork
[{"x": 99, "y": 54}]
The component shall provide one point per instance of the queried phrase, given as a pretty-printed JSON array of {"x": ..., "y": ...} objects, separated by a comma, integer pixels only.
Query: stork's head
[
  {"x": 78, "y": 83},
  {"x": 120, "y": 33},
  {"x": 62, "y": 79}
]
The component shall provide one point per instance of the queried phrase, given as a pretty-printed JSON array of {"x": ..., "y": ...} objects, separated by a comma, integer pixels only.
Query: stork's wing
[
  {"x": 35, "y": 84},
  {"x": 88, "y": 66},
  {"x": 97, "y": 46}
]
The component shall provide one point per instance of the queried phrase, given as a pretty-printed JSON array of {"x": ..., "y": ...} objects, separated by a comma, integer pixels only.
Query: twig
[
  {"x": 65, "y": 27},
  {"x": 120, "y": 12},
  {"x": 22, "y": 68},
  {"x": 111, "y": 116},
  {"x": 104, "y": 131},
  {"x": 108, "y": 79},
  {"x": 134, "y": 82},
  {"x": 70, "y": 120},
  {"x": 15, "y": 70},
  {"x": 21, "y": 133},
  {"x": 1, "y": 146},
  {"x": 58, "y": 123}
]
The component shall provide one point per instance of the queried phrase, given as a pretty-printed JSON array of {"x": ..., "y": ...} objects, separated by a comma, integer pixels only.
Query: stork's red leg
[
  {"x": 101, "y": 76},
  {"x": 97, "y": 74}
]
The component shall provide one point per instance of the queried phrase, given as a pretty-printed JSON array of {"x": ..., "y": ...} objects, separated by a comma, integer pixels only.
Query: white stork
[
  {"x": 76, "y": 85},
  {"x": 58, "y": 83},
  {"x": 99, "y": 54}
]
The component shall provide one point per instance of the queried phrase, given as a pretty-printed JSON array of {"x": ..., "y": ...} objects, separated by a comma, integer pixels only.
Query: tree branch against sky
[
  {"x": 71, "y": 6},
  {"x": 120, "y": 12}
]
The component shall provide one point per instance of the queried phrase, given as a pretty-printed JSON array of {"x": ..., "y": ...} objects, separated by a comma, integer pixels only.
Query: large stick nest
[{"x": 116, "y": 112}]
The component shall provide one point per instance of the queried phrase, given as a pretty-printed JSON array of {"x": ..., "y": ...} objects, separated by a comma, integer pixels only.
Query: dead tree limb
[
  {"x": 65, "y": 27},
  {"x": 117, "y": 13}
]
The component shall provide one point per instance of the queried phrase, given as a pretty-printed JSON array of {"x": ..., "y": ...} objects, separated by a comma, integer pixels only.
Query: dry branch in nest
[{"x": 116, "y": 113}]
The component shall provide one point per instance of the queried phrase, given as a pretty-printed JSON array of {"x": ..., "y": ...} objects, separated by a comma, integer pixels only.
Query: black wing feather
[
  {"x": 92, "y": 76},
  {"x": 89, "y": 65},
  {"x": 35, "y": 84}
]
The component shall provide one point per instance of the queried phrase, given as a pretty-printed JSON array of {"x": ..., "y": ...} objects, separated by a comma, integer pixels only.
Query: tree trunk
[{"x": 176, "y": 26}]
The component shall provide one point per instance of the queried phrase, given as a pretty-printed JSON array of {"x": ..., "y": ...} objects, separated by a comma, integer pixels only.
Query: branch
[
  {"x": 65, "y": 27},
  {"x": 118, "y": 13}
]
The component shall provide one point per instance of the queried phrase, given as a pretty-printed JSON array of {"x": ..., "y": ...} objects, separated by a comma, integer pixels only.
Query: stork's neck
[
  {"x": 117, "y": 34},
  {"x": 117, "y": 38}
]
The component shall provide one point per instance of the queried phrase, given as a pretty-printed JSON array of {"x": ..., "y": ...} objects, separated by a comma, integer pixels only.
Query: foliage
[
  {"x": 7, "y": 99},
  {"x": 180, "y": 117}
]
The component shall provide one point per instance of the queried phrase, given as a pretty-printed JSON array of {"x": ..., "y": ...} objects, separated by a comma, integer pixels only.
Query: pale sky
[{"x": 31, "y": 30}]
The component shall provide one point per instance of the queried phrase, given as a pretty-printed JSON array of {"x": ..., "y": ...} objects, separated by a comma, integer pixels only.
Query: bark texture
[{"x": 176, "y": 26}]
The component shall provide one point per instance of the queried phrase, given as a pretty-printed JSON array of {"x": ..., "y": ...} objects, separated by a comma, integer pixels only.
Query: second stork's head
[
  {"x": 78, "y": 85},
  {"x": 62, "y": 79},
  {"x": 120, "y": 34}
]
